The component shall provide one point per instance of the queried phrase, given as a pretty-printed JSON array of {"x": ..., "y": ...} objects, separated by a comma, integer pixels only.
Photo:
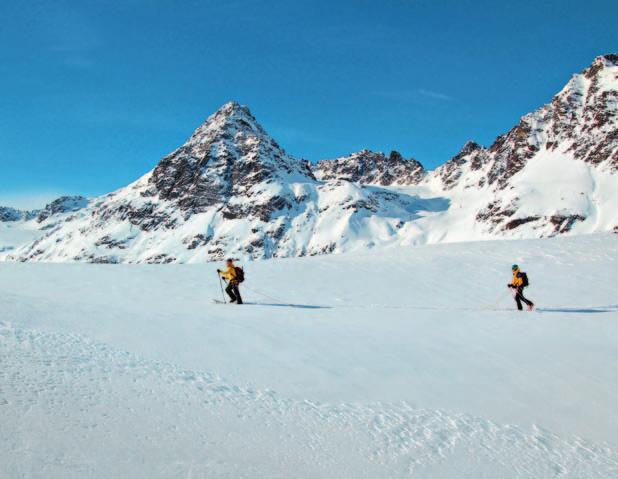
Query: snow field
[{"x": 407, "y": 363}]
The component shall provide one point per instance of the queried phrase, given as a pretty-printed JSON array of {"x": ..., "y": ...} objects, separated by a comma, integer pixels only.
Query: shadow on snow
[
  {"x": 594, "y": 309},
  {"x": 288, "y": 305}
]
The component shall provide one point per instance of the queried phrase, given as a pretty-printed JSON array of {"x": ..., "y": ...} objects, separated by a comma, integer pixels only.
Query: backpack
[
  {"x": 524, "y": 280},
  {"x": 240, "y": 274}
]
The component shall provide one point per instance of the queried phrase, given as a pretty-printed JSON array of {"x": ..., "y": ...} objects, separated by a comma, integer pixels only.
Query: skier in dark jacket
[
  {"x": 520, "y": 281},
  {"x": 230, "y": 274}
]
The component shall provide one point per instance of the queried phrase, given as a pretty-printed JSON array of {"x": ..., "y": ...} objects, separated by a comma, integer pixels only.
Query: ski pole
[
  {"x": 499, "y": 299},
  {"x": 221, "y": 285}
]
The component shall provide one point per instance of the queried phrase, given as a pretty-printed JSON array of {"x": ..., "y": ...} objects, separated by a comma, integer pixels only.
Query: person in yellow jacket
[
  {"x": 519, "y": 282},
  {"x": 230, "y": 274}
]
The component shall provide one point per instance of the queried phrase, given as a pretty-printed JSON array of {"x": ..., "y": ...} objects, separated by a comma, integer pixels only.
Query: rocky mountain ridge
[{"x": 371, "y": 168}]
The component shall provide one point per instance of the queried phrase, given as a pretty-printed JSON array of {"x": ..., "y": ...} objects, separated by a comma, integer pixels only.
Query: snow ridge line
[{"x": 402, "y": 436}]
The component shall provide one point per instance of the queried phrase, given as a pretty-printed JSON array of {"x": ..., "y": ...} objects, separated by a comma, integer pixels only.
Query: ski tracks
[{"x": 73, "y": 407}]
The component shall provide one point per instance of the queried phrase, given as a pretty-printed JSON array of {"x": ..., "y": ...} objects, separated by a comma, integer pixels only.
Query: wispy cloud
[
  {"x": 413, "y": 95},
  {"x": 72, "y": 37},
  {"x": 434, "y": 94}
]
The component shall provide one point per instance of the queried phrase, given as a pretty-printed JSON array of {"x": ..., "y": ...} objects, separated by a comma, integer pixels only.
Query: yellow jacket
[
  {"x": 229, "y": 274},
  {"x": 517, "y": 281}
]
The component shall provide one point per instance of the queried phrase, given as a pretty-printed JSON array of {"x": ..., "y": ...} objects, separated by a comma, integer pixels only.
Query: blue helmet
[{"x": 515, "y": 267}]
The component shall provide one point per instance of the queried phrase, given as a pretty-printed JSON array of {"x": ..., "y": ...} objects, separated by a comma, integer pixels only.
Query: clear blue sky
[{"x": 94, "y": 93}]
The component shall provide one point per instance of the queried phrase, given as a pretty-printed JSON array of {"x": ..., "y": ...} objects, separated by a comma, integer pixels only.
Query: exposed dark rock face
[
  {"x": 563, "y": 224},
  {"x": 111, "y": 243},
  {"x": 197, "y": 241},
  {"x": 371, "y": 168},
  {"x": 517, "y": 222},
  {"x": 495, "y": 213}
]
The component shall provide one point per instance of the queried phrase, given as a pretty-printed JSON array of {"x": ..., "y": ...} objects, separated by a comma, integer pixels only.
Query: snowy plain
[{"x": 399, "y": 362}]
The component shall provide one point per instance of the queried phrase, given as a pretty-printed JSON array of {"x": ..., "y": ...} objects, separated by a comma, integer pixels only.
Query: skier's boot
[{"x": 531, "y": 307}]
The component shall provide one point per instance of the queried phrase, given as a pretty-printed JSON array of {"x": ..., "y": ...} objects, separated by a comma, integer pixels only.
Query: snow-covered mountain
[
  {"x": 368, "y": 167},
  {"x": 553, "y": 172},
  {"x": 231, "y": 190}
]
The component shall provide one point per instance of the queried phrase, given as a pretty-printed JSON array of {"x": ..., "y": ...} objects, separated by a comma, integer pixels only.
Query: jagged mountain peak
[
  {"x": 600, "y": 62},
  {"x": 229, "y": 154},
  {"x": 232, "y": 118},
  {"x": 469, "y": 147}
]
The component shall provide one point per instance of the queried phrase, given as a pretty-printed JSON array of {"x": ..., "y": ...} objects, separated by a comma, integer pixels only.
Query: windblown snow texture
[{"x": 231, "y": 190}]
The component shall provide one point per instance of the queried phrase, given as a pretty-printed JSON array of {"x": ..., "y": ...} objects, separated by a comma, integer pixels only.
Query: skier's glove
[{"x": 218, "y": 271}]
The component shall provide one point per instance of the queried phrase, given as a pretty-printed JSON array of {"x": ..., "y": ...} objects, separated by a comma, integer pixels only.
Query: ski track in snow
[{"x": 151, "y": 419}]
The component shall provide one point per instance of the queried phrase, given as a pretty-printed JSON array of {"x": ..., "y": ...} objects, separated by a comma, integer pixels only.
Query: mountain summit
[{"x": 227, "y": 156}]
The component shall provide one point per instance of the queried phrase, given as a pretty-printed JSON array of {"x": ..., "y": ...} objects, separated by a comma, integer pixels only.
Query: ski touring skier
[
  {"x": 234, "y": 276},
  {"x": 519, "y": 282}
]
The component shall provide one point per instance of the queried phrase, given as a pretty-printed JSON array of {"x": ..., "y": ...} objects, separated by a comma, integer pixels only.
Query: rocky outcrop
[{"x": 371, "y": 168}]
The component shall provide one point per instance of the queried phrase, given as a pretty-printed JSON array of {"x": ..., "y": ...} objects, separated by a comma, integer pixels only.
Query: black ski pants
[
  {"x": 519, "y": 297},
  {"x": 233, "y": 293}
]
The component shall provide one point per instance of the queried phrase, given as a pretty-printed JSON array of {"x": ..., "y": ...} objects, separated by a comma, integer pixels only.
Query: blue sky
[{"x": 94, "y": 93}]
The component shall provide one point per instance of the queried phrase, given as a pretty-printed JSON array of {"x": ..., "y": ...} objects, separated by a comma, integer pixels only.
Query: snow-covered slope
[
  {"x": 409, "y": 363},
  {"x": 231, "y": 190}
]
